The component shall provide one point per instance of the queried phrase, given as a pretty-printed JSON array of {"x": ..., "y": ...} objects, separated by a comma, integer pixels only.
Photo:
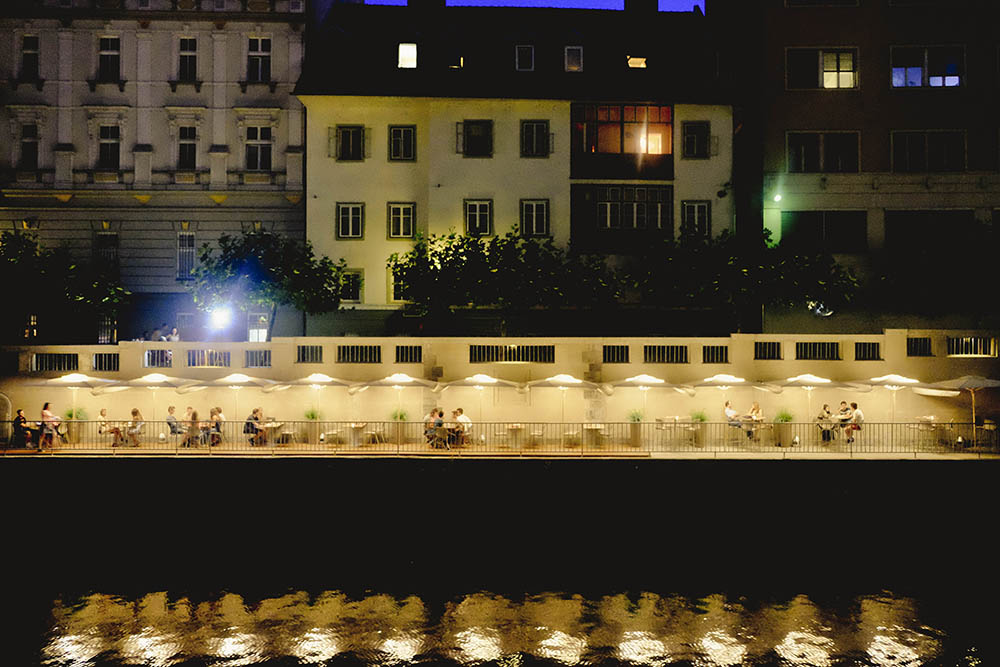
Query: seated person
[
  {"x": 754, "y": 416},
  {"x": 732, "y": 417},
  {"x": 134, "y": 429},
  {"x": 175, "y": 426},
  {"x": 103, "y": 427},
  {"x": 193, "y": 436},
  {"x": 466, "y": 423},
  {"x": 22, "y": 434},
  {"x": 456, "y": 429},
  {"x": 252, "y": 427},
  {"x": 824, "y": 420},
  {"x": 433, "y": 419}
]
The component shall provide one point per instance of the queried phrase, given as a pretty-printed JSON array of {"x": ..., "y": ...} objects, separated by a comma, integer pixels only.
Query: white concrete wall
[{"x": 702, "y": 180}]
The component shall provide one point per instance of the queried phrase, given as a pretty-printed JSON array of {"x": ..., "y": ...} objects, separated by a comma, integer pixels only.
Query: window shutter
[
  {"x": 552, "y": 143},
  {"x": 459, "y": 130},
  {"x": 713, "y": 144},
  {"x": 368, "y": 142},
  {"x": 331, "y": 142}
]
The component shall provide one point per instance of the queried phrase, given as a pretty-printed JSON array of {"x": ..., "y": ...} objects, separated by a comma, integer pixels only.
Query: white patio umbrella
[
  {"x": 152, "y": 381},
  {"x": 234, "y": 381},
  {"x": 563, "y": 382},
  {"x": 397, "y": 381},
  {"x": 971, "y": 384},
  {"x": 894, "y": 382},
  {"x": 646, "y": 382},
  {"x": 479, "y": 382},
  {"x": 74, "y": 381},
  {"x": 809, "y": 383},
  {"x": 316, "y": 381}
]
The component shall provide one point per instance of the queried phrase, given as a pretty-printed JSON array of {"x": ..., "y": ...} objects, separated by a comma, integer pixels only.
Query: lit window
[
  {"x": 407, "y": 55},
  {"x": 821, "y": 68},
  {"x": 613, "y": 128},
  {"x": 635, "y": 62},
  {"x": 935, "y": 66},
  {"x": 574, "y": 58}
]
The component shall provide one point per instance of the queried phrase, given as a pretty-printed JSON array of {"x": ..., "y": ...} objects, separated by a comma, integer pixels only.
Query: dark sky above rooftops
[{"x": 665, "y": 5}]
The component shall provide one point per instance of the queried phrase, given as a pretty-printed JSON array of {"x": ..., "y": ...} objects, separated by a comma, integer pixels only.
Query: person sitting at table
[
  {"x": 455, "y": 429},
  {"x": 252, "y": 427},
  {"x": 432, "y": 420},
  {"x": 732, "y": 417},
  {"x": 193, "y": 437},
  {"x": 103, "y": 427},
  {"x": 824, "y": 421},
  {"x": 22, "y": 434},
  {"x": 857, "y": 419},
  {"x": 172, "y": 423},
  {"x": 754, "y": 416},
  {"x": 134, "y": 429},
  {"x": 466, "y": 423}
]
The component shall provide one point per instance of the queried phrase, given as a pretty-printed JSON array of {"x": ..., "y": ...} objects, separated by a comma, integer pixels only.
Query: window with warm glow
[
  {"x": 635, "y": 62},
  {"x": 407, "y": 56},
  {"x": 614, "y": 128}
]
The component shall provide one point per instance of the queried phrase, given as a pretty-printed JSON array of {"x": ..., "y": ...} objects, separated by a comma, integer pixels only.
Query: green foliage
[
  {"x": 261, "y": 269},
  {"x": 51, "y": 284},
  {"x": 699, "y": 416},
  {"x": 508, "y": 272},
  {"x": 80, "y": 414},
  {"x": 399, "y": 415},
  {"x": 783, "y": 417},
  {"x": 635, "y": 416},
  {"x": 312, "y": 415}
]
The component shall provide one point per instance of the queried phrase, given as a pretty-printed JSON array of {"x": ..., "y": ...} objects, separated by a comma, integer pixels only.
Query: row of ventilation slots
[{"x": 970, "y": 346}]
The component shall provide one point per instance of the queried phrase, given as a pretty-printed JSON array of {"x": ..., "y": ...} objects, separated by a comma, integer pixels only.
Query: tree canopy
[
  {"x": 67, "y": 296},
  {"x": 261, "y": 269}
]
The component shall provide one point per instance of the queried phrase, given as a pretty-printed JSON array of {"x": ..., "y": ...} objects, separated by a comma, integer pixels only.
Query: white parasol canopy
[
  {"x": 809, "y": 383},
  {"x": 645, "y": 382},
  {"x": 480, "y": 381},
  {"x": 74, "y": 381},
  {"x": 564, "y": 382},
  {"x": 971, "y": 384},
  {"x": 234, "y": 381},
  {"x": 894, "y": 382}
]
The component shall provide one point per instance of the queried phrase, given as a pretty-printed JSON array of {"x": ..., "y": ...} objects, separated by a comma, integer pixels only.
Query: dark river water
[{"x": 508, "y": 563}]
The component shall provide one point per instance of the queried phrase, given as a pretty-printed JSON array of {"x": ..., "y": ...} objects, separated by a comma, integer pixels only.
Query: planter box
[{"x": 783, "y": 434}]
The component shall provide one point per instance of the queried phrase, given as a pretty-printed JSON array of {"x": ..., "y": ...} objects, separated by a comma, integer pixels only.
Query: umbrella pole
[{"x": 973, "y": 392}]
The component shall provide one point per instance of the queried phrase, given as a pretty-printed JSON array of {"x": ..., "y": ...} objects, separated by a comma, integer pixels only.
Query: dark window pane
[
  {"x": 803, "y": 68},
  {"x": 803, "y": 152},
  {"x": 840, "y": 152}
]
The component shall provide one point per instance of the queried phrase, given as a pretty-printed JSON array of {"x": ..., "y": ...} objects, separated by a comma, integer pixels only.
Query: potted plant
[
  {"x": 635, "y": 427},
  {"x": 399, "y": 417},
  {"x": 698, "y": 419},
  {"x": 73, "y": 418},
  {"x": 783, "y": 428},
  {"x": 313, "y": 427}
]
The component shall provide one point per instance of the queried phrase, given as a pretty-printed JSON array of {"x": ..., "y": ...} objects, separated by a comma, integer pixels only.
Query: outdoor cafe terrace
[{"x": 922, "y": 393}]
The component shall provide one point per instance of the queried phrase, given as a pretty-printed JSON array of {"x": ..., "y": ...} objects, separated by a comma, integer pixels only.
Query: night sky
[{"x": 665, "y": 5}]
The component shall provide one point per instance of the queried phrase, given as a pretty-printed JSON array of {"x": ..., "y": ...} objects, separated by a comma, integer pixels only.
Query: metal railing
[{"x": 509, "y": 438}]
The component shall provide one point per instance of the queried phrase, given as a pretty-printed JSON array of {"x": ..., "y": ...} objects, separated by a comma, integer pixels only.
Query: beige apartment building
[{"x": 139, "y": 130}]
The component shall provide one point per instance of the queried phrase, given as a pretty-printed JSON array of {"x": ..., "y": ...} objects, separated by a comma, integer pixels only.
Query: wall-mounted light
[{"x": 777, "y": 197}]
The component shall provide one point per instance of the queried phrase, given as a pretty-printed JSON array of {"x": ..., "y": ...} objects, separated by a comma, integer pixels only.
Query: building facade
[
  {"x": 574, "y": 125},
  {"x": 139, "y": 130}
]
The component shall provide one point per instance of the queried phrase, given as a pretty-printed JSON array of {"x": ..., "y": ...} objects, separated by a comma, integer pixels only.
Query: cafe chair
[{"x": 439, "y": 440}]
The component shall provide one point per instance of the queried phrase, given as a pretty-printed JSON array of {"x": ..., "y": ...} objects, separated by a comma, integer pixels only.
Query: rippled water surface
[
  {"x": 378, "y": 629},
  {"x": 508, "y": 563}
]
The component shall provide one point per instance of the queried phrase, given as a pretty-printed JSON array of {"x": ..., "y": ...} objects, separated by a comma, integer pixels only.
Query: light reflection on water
[{"x": 561, "y": 629}]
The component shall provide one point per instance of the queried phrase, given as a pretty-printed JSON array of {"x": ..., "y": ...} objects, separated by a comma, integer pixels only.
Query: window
[
  {"x": 109, "y": 59},
  {"x": 407, "y": 58},
  {"x": 402, "y": 143},
  {"x": 818, "y": 351},
  {"x": 629, "y": 207},
  {"x": 830, "y": 231},
  {"x": 696, "y": 218},
  {"x": 630, "y": 128},
  {"x": 615, "y": 354},
  {"x": 928, "y": 151},
  {"x": 350, "y": 289},
  {"x": 106, "y": 249},
  {"x": 208, "y": 358},
  {"x": 972, "y": 346},
  {"x": 919, "y": 347},
  {"x": 474, "y": 138},
  {"x": 257, "y": 328},
  {"x": 401, "y": 218},
  {"x": 187, "y": 66},
  {"x": 524, "y": 58},
  {"x": 258, "y": 148},
  {"x": 259, "y": 60},
  {"x": 107, "y": 334},
  {"x": 359, "y": 354},
  {"x": 350, "y": 142},
  {"x": 350, "y": 221},
  {"x": 398, "y": 288},
  {"x": 665, "y": 354},
  {"x": 487, "y": 354},
  {"x": 29, "y": 58},
  {"x": 696, "y": 137},
  {"x": 185, "y": 255},
  {"x": 821, "y": 68},
  {"x": 29, "y": 147},
  {"x": 827, "y": 152},
  {"x": 635, "y": 62},
  {"x": 187, "y": 147},
  {"x": 767, "y": 350},
  {"x": 535, "y": 217},
  {"x": 715, "y": 354},
  {"x": 478, "y": 217},
  {"x": 55, "y": 361},
  {"x": 409, "y": 354},
  {"x": 257, "y": 358},
  {"x": 927, "y": 66},
  {"x": 867, "y": 352},
  {"x": 534, "y": 138},
  {"x": 574, "y": 58},
  {"x": 109, "y": 147},
  {"x": 309, "y": 354},
  {"x": 106, "y": 361}
]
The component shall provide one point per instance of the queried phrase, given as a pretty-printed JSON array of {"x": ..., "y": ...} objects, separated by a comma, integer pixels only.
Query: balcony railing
[{"x": 619, "y": 439}]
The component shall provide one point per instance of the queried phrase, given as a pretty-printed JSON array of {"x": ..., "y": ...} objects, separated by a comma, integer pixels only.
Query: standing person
[
  {"x": 857, "y": 419},
  {"x": 50, "y": 422},
  {"x": 466, "y": 424}
]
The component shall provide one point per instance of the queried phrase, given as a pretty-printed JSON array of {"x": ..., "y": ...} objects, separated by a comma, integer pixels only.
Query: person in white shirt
[
  {"x": 857, "y": 419},
  {"x": 730, "y": 412},
  {"x": 465, "y": 423}
]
